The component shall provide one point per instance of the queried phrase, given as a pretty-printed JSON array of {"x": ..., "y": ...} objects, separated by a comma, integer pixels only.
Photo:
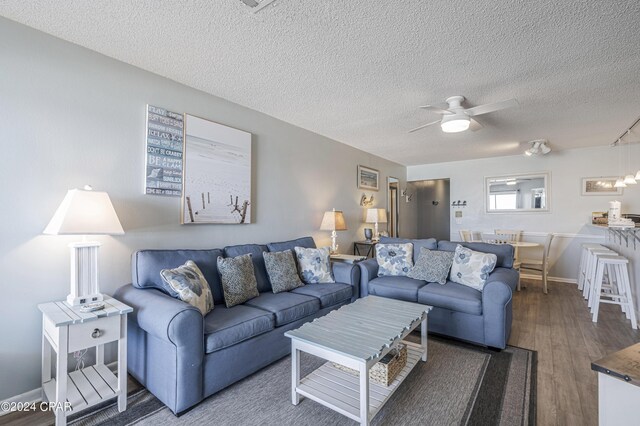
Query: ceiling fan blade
[
  {"x": 475, "y": 125},
  {"x": 438, "y": 108},
  {"x": 423, "y": 126},
  {"x": 487, "y": 108}
]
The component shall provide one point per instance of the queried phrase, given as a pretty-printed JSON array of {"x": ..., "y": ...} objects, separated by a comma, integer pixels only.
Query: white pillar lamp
[
  {"x": 333, "y": 221},
  {"x": 376, "y": 216},
  {"x": 84, "y": 212}
]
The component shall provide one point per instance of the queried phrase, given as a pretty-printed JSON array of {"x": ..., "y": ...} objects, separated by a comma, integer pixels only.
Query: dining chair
[
  {"x": 466, "y": 235},
  {"x": 507, "y": 236},
  {"x": 540, "y": 265}
]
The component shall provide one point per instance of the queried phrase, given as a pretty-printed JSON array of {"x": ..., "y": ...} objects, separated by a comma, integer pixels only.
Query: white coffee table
[{"x": 357, "y": 336}]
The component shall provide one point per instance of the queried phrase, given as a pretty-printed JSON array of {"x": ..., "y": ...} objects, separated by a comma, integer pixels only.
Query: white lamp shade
[
  {"x": 85, "y": 213},
  {"x": 376, "y": 216},
  {"x": 333, "y": 221}
]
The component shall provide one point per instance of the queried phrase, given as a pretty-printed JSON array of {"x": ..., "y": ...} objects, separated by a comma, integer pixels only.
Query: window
[{"x": 503, "y": 201}]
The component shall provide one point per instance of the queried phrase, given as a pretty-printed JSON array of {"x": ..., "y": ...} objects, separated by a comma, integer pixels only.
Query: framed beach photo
[
  {"x": 216, "y": 187},
  {"x": 600, "y": 186},
  {"x": 368, "y": 178}
]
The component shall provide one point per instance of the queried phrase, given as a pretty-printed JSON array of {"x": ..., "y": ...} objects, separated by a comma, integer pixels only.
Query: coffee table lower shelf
[{"x": 340, "y": 391}]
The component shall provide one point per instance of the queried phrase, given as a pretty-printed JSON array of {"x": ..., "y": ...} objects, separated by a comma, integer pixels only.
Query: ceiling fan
[{"x": 456, "y": 118}]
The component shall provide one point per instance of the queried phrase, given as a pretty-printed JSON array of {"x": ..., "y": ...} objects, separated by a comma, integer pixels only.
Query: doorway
[
  {"x": 433, "y": 208},
  {"x": 393, "y": 207}
]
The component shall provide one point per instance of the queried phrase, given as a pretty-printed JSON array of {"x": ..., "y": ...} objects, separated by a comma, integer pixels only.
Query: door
[{"x": 433, "y": 209}]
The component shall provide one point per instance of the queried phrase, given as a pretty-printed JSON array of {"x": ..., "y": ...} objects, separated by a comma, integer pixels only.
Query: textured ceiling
[{"x": 357, "y": 70}]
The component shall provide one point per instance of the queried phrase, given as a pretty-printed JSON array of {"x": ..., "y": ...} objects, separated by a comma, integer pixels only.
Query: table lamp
[
  {"x": 376, "y": 216},
  {"x": 84, "y": 212},
  {"x": 333, "y": 221}
]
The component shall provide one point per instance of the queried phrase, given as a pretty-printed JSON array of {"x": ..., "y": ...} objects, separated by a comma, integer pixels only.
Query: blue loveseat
[
  {"x": 459, "y": 311},
  {"x": 183, "y": 357}
]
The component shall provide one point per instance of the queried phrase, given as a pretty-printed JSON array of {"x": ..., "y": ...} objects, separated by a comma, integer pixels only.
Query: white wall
[
  {"x": 570, "y": 212},
  {"x": 69, "y": 116}
]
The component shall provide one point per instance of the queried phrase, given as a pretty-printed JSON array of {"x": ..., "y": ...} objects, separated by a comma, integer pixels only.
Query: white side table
[{"x": 65, "y": 329}]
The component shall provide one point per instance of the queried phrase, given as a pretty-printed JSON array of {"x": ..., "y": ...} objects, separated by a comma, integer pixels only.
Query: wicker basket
[{"x": 384, "y": 371}]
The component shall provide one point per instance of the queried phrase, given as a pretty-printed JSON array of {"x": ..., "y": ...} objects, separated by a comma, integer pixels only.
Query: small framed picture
[
  {"x": 600, "y": 186},
  {"x": 368, "y": 178}
]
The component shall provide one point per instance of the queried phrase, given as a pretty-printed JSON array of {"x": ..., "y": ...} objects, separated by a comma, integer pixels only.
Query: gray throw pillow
[
  {"x": 190, "y": 284},
  {"x": 238, "y": 280},
  {"x": 282, "y": 270},
  {"x": 432, "y": 266}
]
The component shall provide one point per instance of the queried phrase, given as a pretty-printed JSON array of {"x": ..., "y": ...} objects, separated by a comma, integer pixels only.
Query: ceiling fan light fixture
[
  {"x": 455, "y": 123},
  {"x": 620, "y": 183},
  {"x": 629, "y": 180},
  {"x": 538, "y": 147},
  {"x": 638, "y": 176}
]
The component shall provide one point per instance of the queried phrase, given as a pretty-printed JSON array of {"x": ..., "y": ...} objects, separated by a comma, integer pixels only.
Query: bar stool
[
  {"x": 582, "y": 270},
  {"x": 592, "y": 263},
  {"x": 619, "y": 267}
]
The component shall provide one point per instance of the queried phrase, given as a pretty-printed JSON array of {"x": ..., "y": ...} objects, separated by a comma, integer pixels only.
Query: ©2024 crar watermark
[{"x": 35, "y": 406}]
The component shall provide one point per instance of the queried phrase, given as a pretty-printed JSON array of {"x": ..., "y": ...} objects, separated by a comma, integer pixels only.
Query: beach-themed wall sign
[{"x": 163, "y": 171}]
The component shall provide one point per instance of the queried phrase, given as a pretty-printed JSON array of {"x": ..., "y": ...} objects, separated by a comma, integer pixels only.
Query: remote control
[{"x": 92, "y": 307}]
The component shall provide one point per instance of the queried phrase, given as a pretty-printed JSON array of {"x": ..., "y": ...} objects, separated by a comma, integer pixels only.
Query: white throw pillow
[
  {"x": 314, "y": 265},
  {"x": 472, "y": 268},
  {"x": 394, "y": 259}
]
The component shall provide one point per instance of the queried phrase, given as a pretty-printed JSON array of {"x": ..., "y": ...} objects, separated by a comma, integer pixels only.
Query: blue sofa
[
  {"x": 182, "y": 357},
  {"x": 458, "y": 311}
]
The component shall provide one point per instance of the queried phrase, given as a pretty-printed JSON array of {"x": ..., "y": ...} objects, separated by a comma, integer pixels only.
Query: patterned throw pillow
[
  {"x": 394, "y": 259},
  {"x": 314, "y": 265},
  {"x": 282, "y": 270},
  {"x": 238, "y": 280},
  {"x": 433, "y": 266},
  {"x": 472, "y": 268},
  {"x": 192, "y": 287}
]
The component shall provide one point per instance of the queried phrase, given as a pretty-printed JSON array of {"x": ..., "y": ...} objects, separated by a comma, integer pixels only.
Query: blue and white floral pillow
[
  {"x": 314, "y": 265},
  {"x": 472, "y": 268},
  {"x": 394, "y": 259}
]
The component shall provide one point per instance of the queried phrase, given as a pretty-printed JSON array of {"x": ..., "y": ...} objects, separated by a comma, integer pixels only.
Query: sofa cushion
[
  {"x": 401, "y": 288},
  {"x": 394, "y": 259},
  {"x": 504, "y": 252},
  {"x": 255, "y": 250},
  {"x": 329, "y": 294},
  {"x": 224, "y": 327},
  {"x": 428, "y": 243},
  {"x": 147, "y": 264},
  {"x": 306, "y": 242},
  {"x": 314, "y": 265},
  {"x": 472, "y": 268},
  {"x": 433, "y": 266},
  {"x": 238, "y": 279},
  {"x": 453, "y": 296},
  {"x": 187, "y": 280},
  {"x": 286, "y": 307},
  {"x": 282, "y": 270}
]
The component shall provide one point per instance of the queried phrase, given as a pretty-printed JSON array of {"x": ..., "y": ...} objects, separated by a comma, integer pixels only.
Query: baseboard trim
[
  {"x": 35, "y": 395},
  {"x": 555, "y": 279}
]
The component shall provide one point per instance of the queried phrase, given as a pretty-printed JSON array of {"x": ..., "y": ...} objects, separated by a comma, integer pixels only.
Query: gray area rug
[{"x": 460, "y": 384}]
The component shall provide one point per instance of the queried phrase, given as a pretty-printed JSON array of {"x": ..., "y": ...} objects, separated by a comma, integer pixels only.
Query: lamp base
[
  {"x": 84, "y": 273},
  {"x": 83, "y": 300}
]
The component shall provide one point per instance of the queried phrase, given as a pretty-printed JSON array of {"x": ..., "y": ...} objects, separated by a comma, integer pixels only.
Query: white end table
[{"x": 65, "y": 330}]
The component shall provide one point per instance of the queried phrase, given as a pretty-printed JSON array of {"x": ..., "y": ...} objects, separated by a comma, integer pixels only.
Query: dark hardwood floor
[{"x": 559, "y": 327}]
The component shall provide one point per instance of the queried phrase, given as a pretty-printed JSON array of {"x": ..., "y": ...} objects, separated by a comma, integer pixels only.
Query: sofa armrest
[
  {"x": 368, "y": 271},
  {"x": 348, "y": 273},
  {"x": 164, "y": 317},
  {"x": 165, "y": 351},
  {"x": 496, "y": 306}
]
